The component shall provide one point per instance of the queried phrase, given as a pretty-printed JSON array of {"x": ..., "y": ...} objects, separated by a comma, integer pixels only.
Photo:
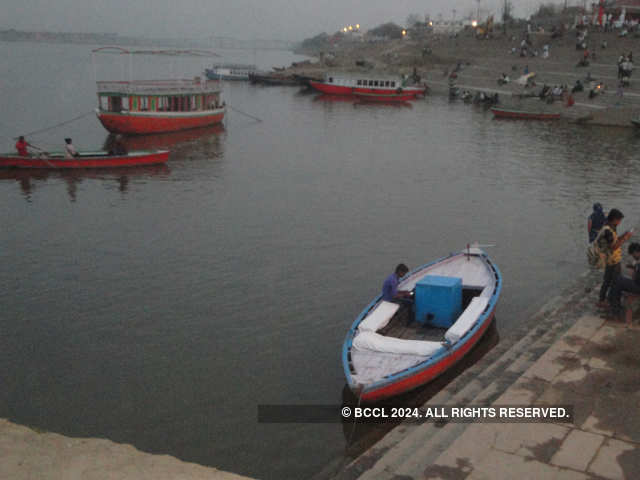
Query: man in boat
[
  {"x": 626, "y": 284},
  {"x": 390, "y": 292},
  {"x": 610, "y": 244},
  {"x": 69, "y": 149},
  {"x": 115, "y": 146},
  {"x": 21, "y": 146}
]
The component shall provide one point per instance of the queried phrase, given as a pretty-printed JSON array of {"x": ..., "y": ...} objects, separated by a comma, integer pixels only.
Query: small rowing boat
[
  {"x": 393, "y": 348},
  {"x": 499, "y": 112},
  {"x": 85, "y": 160}
]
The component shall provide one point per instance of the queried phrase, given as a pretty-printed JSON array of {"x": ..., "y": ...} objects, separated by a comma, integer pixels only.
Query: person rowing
[
  {"x": 69, "y": 149},
  {"x": 21, "y": 146}
]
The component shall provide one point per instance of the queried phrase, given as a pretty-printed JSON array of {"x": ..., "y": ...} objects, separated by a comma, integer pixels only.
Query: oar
[{"x": 43, "y": 151}]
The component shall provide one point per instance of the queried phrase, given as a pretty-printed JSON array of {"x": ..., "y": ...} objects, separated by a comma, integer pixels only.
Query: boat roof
[
  {"x": 367, "y": 75},
  {"x": 159, "y": 87}
]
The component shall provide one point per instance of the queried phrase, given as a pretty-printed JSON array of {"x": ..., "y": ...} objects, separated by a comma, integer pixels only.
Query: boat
[
  {"x": 98, "y": 159},
  {"x": 157, "y": 106},
  {"x": 275, "y": 78},
  {"x": 230, "y": 71},
  {"x": 334, "y": 84},
  {"x": 636, "y": 122},
  {"x": 500, "y": 112},
  {"x": 393, "y": 348},
  {"x": 385, "y": 97}
]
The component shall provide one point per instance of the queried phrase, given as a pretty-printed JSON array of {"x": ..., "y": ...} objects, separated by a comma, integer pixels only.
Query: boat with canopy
[{"x": 136, "y": 107}]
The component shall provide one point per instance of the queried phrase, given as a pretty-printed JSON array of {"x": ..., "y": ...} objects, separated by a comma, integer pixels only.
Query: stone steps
[{"x": 407, "y": 449}]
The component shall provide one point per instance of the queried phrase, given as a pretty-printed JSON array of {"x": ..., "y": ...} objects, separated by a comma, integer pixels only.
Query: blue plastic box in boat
[{"x": 438, "y": 300}]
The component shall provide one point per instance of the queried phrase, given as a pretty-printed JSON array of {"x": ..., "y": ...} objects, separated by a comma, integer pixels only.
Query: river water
[{"x": 160, "y": 306}]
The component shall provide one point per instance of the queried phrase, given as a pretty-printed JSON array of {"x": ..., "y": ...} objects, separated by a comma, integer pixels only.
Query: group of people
[
  {"x": 115, "y": 147},
  {"x": 603, "y": 229},
  {"x": 22, "y": 147}
]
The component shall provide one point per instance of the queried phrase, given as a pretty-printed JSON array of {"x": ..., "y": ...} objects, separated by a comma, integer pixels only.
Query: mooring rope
[
  {"x": 30, "y": 134},
  {"x": 244, "y": 113}
]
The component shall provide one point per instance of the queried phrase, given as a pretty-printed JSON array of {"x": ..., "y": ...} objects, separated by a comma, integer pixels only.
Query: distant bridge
[{"x": 253, "y": 44}]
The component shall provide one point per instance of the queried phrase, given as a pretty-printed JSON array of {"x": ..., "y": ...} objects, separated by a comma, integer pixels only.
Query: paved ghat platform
[
  {"x": 575, "y": 356},
  {"x": 593, "y": 367},
  {"x": 29, "y": 455}
]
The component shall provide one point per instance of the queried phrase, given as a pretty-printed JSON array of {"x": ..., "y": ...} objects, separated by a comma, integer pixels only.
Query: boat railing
[{"x": 175, "y": 86}]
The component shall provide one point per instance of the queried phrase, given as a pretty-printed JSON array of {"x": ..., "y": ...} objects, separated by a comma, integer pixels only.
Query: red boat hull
[
  {"x": 344, "y": 90},
  {"x": 518, "y": 114},
  {"x": 428, "y": 374},
  {"x": 385, "y": 98},
  {"x": 141, "y": 124},
  {"x": 134, "y": 159}
]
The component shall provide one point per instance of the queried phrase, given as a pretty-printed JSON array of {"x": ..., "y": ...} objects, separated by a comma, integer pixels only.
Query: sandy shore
[{"x": 27, "y": 454}]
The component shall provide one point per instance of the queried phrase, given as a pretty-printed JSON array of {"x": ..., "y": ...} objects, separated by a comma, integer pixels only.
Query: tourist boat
[
  {"x": 500, "y": 112},
  {"x": 365, "y": 83},
  {"x": 230, "y": 71},
  {"x": 158, "y": 106},
  {"x": 385, "y": 97},
  {"x": 85, "y": 160},
  {"x": 391, "y": 348}
]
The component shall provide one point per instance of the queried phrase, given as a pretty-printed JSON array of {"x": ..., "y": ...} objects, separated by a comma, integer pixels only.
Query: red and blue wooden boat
[
  {"x": 392, "y": 348},
  {"x": 500, "y": 112},
  {"x": 84, "y": 160}
]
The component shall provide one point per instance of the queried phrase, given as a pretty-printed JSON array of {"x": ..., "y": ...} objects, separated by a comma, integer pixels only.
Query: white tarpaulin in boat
[
  {"x": 466, "y": 321},
  {"x": 379, "y": 317},
  {"x": 379, "y": 343}
]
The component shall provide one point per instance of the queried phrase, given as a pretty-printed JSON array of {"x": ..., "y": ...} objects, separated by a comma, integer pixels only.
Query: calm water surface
[{"x": 159, "y": 306}]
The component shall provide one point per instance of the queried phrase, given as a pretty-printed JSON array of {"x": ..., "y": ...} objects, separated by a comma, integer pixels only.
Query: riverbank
[
  {"x": 574, "y": 356},
  {"x": 482, "y": 61},
  {"x": 29, "y": 454}
]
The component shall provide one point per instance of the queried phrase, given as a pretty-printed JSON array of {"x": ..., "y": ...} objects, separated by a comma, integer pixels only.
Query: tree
[
  {"x": 413, "y": 19},
  {"x": 507, "y": 12},
  {"x": 389, "y": 30}
]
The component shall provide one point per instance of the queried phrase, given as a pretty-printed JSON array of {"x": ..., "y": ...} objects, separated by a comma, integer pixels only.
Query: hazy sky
[{"x": 278, "y": 19}]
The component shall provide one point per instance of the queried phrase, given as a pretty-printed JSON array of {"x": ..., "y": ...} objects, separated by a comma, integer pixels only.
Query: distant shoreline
[{"x": 120, "y": 40}]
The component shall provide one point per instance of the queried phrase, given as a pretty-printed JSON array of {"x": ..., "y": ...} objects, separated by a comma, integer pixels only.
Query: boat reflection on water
[
  {"x": 356, "y": 102},
  {"x": 28, "y": 180},
  {"x": 323, "y": 97},
  {"x": 164, "y": 140},
  {"x": 361, "y": 436},
  {"x": 360, "y": 103}
]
